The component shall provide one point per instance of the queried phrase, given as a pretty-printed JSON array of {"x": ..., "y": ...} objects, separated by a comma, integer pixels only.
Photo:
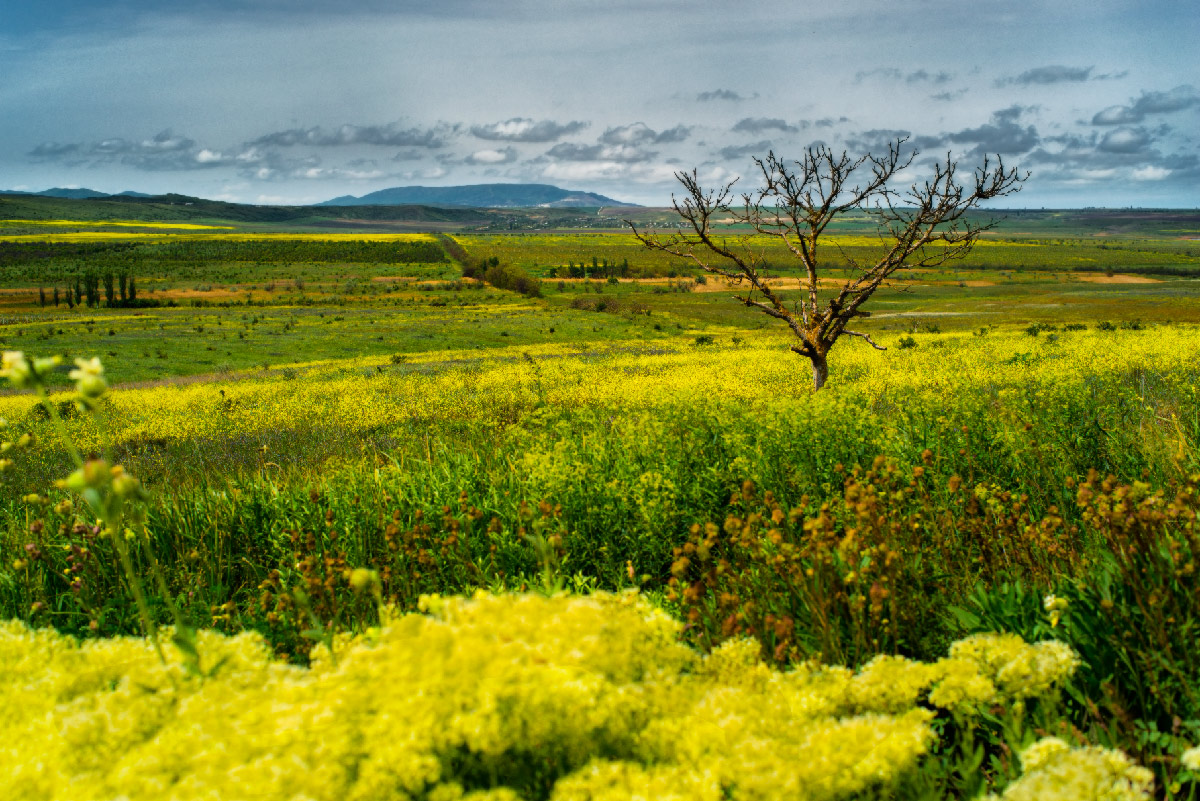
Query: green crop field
[{"x": 325, "y": 424}]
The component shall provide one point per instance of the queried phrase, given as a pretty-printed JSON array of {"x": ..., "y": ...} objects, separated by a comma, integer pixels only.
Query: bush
[{"x": 503, "y": 276}]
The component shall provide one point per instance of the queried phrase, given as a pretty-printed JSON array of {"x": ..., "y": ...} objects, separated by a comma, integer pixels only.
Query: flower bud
[
  {"x": 46, "y": 364},
  {"x": 94, "y": 474},
  {"x": 125, "y": 486},
  {"x": 16, "y": 369},
  {"x": 88, "y": 376},
  {"x": 362, "y": 579}
]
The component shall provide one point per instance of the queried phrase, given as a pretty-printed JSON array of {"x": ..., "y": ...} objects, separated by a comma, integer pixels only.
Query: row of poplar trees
[{"x": 120, "y": 289}]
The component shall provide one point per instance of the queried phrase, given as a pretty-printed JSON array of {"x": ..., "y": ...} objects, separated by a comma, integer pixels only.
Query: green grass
[{"x": 977, "y": 489}]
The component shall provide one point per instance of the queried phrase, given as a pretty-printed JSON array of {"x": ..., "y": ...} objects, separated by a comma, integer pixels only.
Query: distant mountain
[
  {"x": 490, "y": 196},
  {"x": 73, "y": 194}
]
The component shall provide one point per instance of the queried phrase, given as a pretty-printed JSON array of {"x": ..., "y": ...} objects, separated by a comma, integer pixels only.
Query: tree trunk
[{"x": 820, "y": 371}]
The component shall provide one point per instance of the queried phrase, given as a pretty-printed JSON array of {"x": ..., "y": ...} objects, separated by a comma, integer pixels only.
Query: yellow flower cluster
[
  {"x": 1054, "y": 771},
  {"x": 987, "y": 668},
  {"x": 469, "y": 701}
]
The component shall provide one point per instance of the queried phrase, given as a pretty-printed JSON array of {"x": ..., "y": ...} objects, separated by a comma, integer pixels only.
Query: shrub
[
  {"x": 503, "y": 276},
  {"x": 504, "y": 697}
]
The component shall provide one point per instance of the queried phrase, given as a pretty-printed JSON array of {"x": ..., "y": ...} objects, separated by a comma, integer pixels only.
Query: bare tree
[{"x": 924, "y": 226}]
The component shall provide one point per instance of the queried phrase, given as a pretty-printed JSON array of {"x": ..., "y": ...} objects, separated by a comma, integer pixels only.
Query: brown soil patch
[
  {"x": 410, "y": 279},
  {"x": 1118, "y": 279},
  {"x": 189, "y": 294},
  {"x": 980, "y": 283},
  {"x": 713, "y": 283}
]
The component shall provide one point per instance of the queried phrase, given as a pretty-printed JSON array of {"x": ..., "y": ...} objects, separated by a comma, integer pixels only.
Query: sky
[{"x": 299, "y": 101}]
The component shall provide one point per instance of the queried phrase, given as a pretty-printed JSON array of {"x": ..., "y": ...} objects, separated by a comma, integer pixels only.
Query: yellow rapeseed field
[
  {"x": 1000, "y": 374},
  {"x": 119, "y": 224},
  {"x": 81, "y": 236}
]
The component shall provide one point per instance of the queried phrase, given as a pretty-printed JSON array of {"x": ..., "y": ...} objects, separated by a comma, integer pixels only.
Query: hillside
[{"x": 480, "y": 196}]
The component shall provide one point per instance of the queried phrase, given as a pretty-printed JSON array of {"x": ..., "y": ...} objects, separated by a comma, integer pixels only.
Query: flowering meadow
[{"x": 604, "y": 542}]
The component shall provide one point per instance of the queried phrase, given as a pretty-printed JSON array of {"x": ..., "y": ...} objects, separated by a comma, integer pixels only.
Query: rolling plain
[{"x": 359, "y": 458}]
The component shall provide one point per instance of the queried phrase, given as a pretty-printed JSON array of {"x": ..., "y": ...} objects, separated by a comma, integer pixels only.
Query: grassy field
[{"x": 334, "y": 434}]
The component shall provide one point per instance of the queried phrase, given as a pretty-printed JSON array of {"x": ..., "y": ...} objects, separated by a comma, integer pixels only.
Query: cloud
[
  {"x": 165, "y": 151},
  {"x": 890, "y": 73},
  {"x": 621, "y": 144},
  {"x": 1124, "y": 140},
  {"x": 893, "y": 74},
  {"x": 720, "y": 94},
  {"x": 948, "y": 96},
  {"x": 411, "y": 154},
  {"x": 51, "y": 151},
  {"x": 1052, "y": 74},
  {"x": 760, "y": 124},
  {"x": 1177, "y": 99},
  {"x": 523, "y": 129},
  {"x": 391, "y": 135},
  {"x": 492, "y": 156},
  {"x": 639, "y": 134},
  {"x": 608, "y": 171},
  {"x": 1002, "y": 134},
  {"x": 934, "y": 77},
  {"x": 733, "y": 152},
  {"x": 1116, "y": 115},
  {"x": 1150, "y": 173},
  {"x": 570, "y": 151},
  {"x": 876, "y": 140}
]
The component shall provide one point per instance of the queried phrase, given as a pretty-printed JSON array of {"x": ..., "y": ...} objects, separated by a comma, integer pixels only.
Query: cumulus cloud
[
  {"x": 164, "y": 151},
  {"x": 608, "y": 171},
  {"x": 492, "y": 156},
  {"x": 524, "y": 129},
  {"x": 623, "y": 144},
  {"x": 1124, "y": 140},
  {"x": 875, "y": 140},
  {"x": 640, "y": 134},
  {"x": 1177, "y": 99},
  {"x": 391, "y": 135},
  {"x": 1116, "y": 115},
  {"x": 760, "y": 124},
  {"x": 1150, "y": 173},
  {"x": 570, "y": 151},
  {"x": 1002, "y": 134},
  {"x": 733, "y": 152}
]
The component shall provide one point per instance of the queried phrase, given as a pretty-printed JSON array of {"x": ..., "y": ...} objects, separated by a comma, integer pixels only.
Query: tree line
[{"x": 120, "y": 291}]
